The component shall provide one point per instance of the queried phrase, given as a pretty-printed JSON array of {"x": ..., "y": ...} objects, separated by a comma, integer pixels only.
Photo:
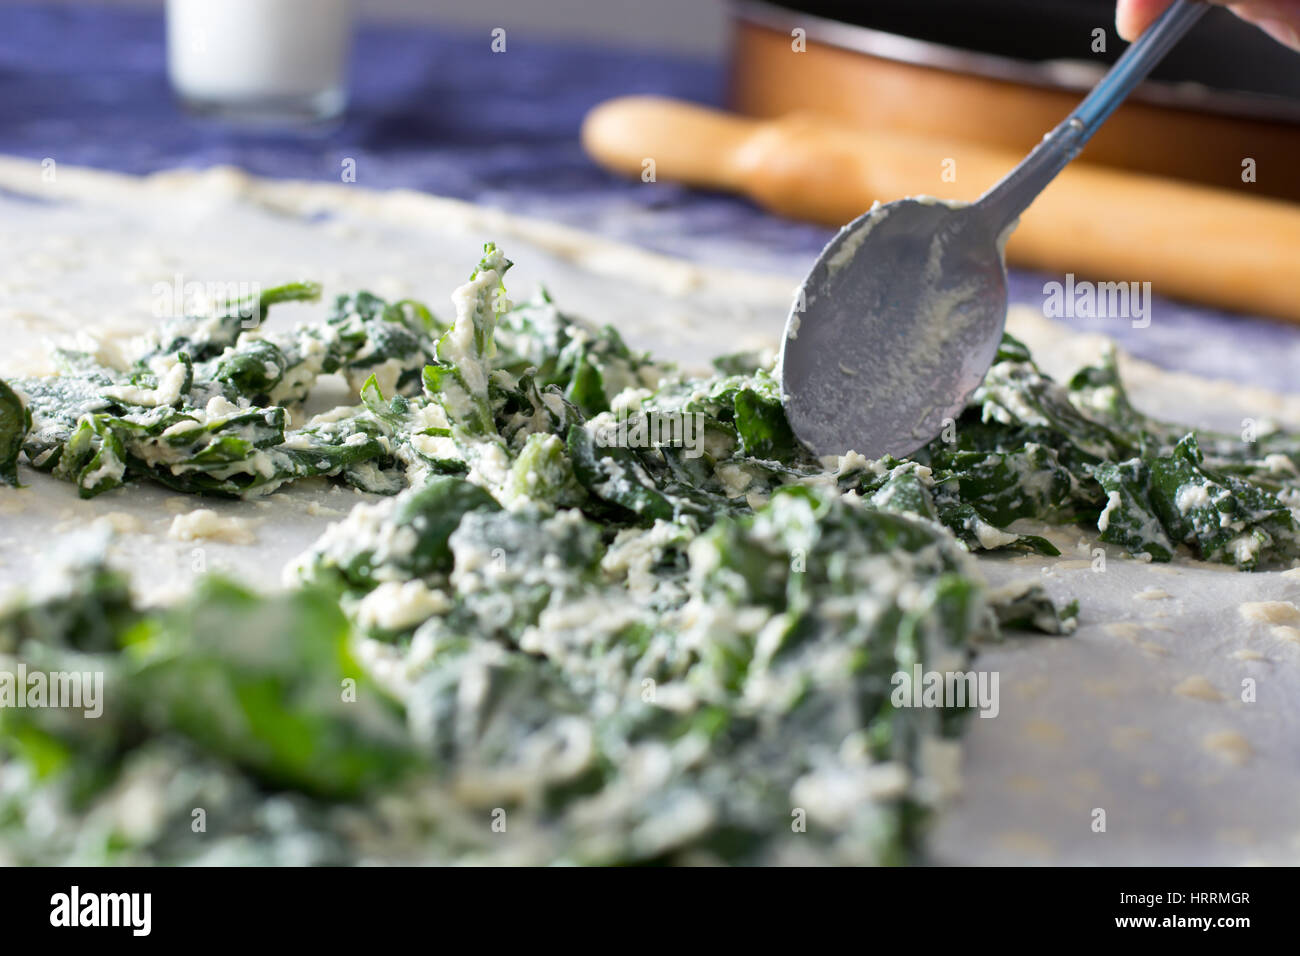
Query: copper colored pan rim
[{"x": 1068, "y": 75}]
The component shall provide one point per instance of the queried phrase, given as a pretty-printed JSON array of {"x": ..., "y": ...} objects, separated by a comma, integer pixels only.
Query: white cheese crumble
[
  {"x": 1191, "y": 496},
  {"x": 397, "y": 605},
  {"x": 1113, "y": 501},
  {"x": 207, "y": 524}
]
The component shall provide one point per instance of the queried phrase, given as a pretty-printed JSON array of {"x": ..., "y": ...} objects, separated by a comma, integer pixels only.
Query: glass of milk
[{"x": 268, "y": 61}]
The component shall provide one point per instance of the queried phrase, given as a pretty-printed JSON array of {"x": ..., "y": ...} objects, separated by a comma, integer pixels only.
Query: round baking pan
[{"x": 1004, "y": 72}]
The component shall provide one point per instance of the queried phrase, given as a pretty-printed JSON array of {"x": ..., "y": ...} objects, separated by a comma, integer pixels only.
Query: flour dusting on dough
[
  {"x": 1270, "y": 612},
  {"x": 119, "y": 522},
  {"x": 1198, "y": 688},
  {"x": 1228, "y": 745}
]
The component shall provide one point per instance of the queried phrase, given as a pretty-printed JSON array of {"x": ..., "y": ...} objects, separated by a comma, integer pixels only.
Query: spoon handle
[{"x": 1003, "y": 204}]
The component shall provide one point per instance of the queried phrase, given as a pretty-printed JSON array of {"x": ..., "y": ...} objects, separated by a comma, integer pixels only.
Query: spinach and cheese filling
[{"x": 597, "y": 611}]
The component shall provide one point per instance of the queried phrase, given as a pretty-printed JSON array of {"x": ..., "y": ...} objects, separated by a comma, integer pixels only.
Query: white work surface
[{"x": 1092, "y": 721}]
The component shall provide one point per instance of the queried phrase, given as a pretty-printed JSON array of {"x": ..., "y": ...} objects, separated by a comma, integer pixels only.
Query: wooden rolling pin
[{"x": 1215, "y": 246}]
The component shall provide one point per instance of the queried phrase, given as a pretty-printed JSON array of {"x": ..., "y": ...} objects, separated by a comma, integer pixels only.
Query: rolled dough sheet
[{"x": 1140, "y": 715}]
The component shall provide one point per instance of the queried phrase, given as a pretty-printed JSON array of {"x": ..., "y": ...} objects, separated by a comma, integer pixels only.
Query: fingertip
[
  {"x": 1134, "y": 16},
  {"x": 1124, "y": 25}
]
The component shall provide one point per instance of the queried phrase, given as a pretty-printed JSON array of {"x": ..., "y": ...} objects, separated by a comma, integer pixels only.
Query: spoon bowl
[
  {"x": 902, "y": 315},
  {"x": 894, "y": 328}
]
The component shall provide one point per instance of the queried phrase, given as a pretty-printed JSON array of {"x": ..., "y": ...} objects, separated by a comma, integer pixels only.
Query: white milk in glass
[{"x": 260, "y": 60}]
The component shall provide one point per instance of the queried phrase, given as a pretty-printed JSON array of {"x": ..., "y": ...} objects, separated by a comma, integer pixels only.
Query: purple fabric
[{"x": 440, "y": 112}]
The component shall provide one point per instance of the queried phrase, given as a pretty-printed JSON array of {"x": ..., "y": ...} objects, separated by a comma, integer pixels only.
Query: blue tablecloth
[{"x": 440, "y": 112}]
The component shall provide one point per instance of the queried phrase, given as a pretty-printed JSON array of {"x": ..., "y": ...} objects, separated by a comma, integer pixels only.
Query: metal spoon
[{"x": 901, "y": 317}]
